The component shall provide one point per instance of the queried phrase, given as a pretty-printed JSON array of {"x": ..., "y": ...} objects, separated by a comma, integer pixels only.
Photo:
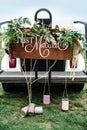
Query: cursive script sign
[{"x": 38, "y": 48}]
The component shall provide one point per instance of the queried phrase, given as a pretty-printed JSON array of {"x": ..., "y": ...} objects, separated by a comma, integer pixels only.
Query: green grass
[{"x": 53, "y": 118}]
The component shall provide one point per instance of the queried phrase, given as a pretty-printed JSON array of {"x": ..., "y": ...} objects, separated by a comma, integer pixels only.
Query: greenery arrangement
[{"x": 16, "y": 32}]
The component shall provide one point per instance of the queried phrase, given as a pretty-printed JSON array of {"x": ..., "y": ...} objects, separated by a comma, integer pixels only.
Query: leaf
[{"x": 26, "y": 20}]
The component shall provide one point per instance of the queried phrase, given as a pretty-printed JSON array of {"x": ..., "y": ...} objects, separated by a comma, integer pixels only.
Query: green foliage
[
  {"x": 16, "y": 33},
  {"x": 14, "y": 30},
  {"x": 67, "y": 36},
  {"x": 39, "y": 31}
]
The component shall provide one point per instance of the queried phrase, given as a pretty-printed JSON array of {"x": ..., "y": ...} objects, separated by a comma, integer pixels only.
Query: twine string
[
  {"x": 29, "y": 81},
  {"x": 65, "y": 93}
]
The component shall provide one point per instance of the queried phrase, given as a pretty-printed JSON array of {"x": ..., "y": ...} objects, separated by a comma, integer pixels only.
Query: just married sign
[{"x": 38, "y": 49}]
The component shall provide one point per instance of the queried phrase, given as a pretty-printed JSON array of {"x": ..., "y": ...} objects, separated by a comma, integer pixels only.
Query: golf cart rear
[{"x": 17, "y": 70}]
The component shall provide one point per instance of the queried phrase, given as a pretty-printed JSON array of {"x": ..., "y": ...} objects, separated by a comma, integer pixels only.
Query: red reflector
[{"x": 12, "y": 63}]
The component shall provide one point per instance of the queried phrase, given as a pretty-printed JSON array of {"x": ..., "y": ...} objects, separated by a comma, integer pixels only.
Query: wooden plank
[{"x": 40, "y": 50}]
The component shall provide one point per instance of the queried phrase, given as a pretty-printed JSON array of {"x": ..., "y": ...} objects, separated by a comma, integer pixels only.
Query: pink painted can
[
  {"x": 46, "y": 99},
  {"x": 65, "y": 104},
  {"x": 25, "y": 110}
]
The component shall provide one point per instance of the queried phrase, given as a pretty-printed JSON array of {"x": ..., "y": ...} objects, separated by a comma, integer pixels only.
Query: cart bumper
[{"x": 56, "y": 77}]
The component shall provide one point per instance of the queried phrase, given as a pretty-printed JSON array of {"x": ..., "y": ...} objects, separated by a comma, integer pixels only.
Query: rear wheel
[
  {"x": 76, "y": 87},
  {"x": 11, "y": 87},
  {"x": 8, "y": 87}
]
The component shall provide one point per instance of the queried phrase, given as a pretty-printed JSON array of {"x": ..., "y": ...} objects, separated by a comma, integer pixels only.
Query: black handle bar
[
  {"x": 4, "y": 22},
  {"x": 44, "y": 21},
  {"x": 85, "y": 24}
]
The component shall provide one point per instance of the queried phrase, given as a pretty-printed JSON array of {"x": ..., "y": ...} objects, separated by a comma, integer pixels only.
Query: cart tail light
[{"x": 12, "y": 62}]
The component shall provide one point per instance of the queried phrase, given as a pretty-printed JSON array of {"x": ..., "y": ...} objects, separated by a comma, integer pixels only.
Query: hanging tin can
[
  {"x": 65, "y": 104},
  {"x": 46, "y": 99}
]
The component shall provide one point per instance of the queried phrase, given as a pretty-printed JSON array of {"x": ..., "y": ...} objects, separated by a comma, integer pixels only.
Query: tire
[
  {"x": 8, "y": 87},
  {"x": 12, "y": 87},
  {"x": 77, "y": 87}
]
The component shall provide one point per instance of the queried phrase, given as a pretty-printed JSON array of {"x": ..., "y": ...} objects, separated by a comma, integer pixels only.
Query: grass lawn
[{"x": 53, "y": 118}]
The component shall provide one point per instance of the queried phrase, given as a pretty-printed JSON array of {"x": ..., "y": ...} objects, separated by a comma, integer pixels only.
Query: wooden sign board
[{"x": 38, "y": 49}]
